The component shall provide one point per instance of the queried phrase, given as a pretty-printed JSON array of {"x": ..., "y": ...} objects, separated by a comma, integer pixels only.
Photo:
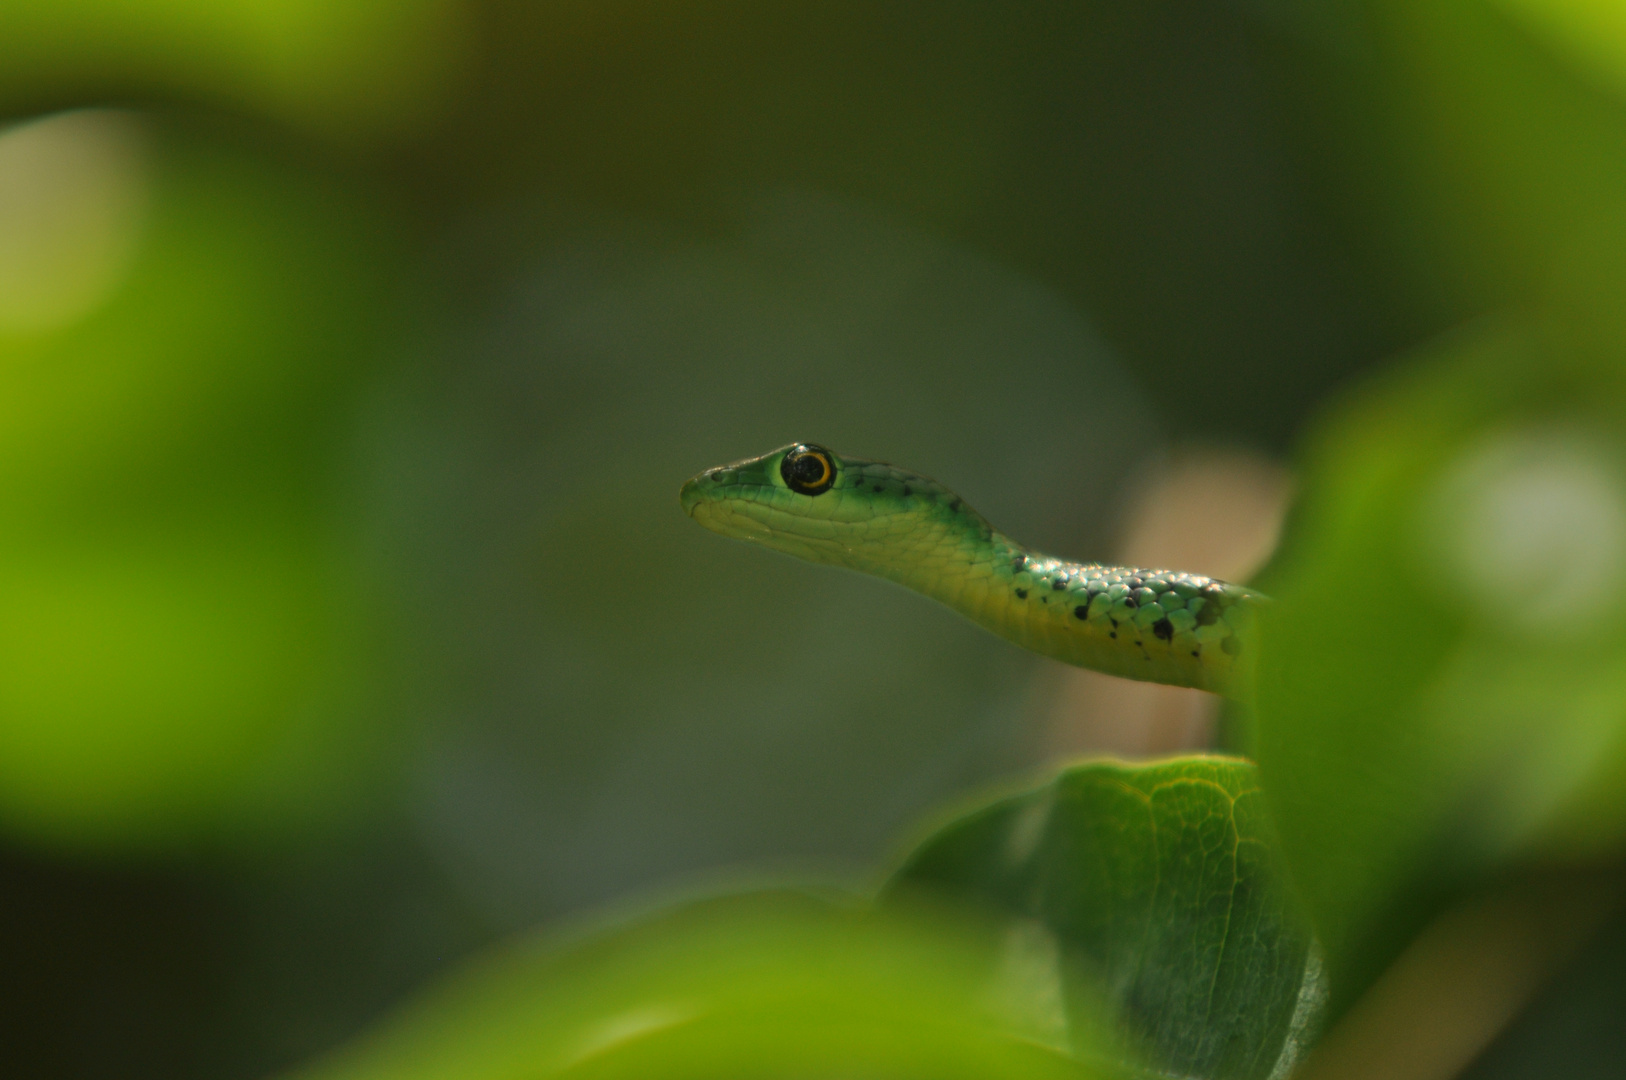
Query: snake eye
[{"x": 807, "y": 469}]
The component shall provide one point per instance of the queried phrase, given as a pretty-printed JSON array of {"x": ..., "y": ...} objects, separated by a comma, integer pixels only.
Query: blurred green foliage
[
  {"x": 768, "y": 984},
  {"x": 351, "y": 68},
  {"x": 1441, "y": 688},
  {"x": 1592, "y": 33},
  {"x": 351, "y": 356},
  {"x": 1119, "y": 914},
  {"x": 181, "y": 649},
  {"x": 1439, "y": 696}
]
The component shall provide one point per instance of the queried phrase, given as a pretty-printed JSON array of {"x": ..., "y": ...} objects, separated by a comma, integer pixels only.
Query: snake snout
[
  {"x": 691, "y": 495},
  {"x": 708, "y": 487}
]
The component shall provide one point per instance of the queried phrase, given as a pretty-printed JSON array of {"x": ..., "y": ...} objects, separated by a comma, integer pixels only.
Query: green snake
[{"x": 1156, "y": 625}]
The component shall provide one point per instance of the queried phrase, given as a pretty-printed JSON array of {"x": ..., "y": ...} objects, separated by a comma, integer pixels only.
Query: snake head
[{"x": 808, "y": 501}]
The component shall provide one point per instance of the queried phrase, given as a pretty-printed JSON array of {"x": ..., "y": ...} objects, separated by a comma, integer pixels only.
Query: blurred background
[{"x": 352, "y": 354}]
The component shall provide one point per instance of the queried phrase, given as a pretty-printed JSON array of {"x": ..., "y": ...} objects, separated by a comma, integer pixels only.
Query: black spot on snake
[
  {"x": 1019, "y": 562},
  {"x": 906, "y": 490},
  {"x": 1082, "y": 611},
  {"x": 1164, "y": 629},
  {"x": 1021, "y": 594}
]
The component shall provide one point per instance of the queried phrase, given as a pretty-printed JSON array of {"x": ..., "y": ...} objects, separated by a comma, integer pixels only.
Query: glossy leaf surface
[{"x": 1151, "y": 892}]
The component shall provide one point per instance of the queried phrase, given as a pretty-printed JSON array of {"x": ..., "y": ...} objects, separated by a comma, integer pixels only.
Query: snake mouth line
[
  {"x": 734, "y": 517},
  {"x": 722, "y": 518},
  {"x": 753, "y": 523}
]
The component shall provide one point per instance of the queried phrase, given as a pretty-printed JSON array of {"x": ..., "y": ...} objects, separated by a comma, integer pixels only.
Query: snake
[{"x": 1159, "y": 626}]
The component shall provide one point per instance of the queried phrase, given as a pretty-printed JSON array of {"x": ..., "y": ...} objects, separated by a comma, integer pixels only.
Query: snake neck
[{"x": 1153, "y": 625}]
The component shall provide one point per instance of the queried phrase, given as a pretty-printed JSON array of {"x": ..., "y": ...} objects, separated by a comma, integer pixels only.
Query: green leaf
[
  {"x": 1591, "y": 33},
  {"x": 347, "y": 67},
  {"x": 1152, "y": 891},
  {"x": 1442, "y": 676},
  {"x": 761, "y": 985},
  {"x": 188, "y": 646}
]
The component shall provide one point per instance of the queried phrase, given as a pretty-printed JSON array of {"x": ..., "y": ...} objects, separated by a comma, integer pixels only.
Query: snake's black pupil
[{"x": 807, "y": 471}]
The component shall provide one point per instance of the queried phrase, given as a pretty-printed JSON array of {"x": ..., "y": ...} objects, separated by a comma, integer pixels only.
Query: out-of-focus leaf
[
  {"x": 1590, "y": 32},
  {"x": 340, "y": 66},
  {"x": 760, "y": 985},
  {"x": 74, "y": 192},
  {"x": 253, "y": 296},
  {"x": 158, "y": 685},
  {"x": 1508, "y": 161},
  {"x": 1154, "y": 893},
  {"x": 1442, "y": 679},
  {"x": 184, "y": 642}
]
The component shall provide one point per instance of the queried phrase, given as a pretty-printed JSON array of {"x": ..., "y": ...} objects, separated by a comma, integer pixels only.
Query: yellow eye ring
[{"x": 808, "y": 470}]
